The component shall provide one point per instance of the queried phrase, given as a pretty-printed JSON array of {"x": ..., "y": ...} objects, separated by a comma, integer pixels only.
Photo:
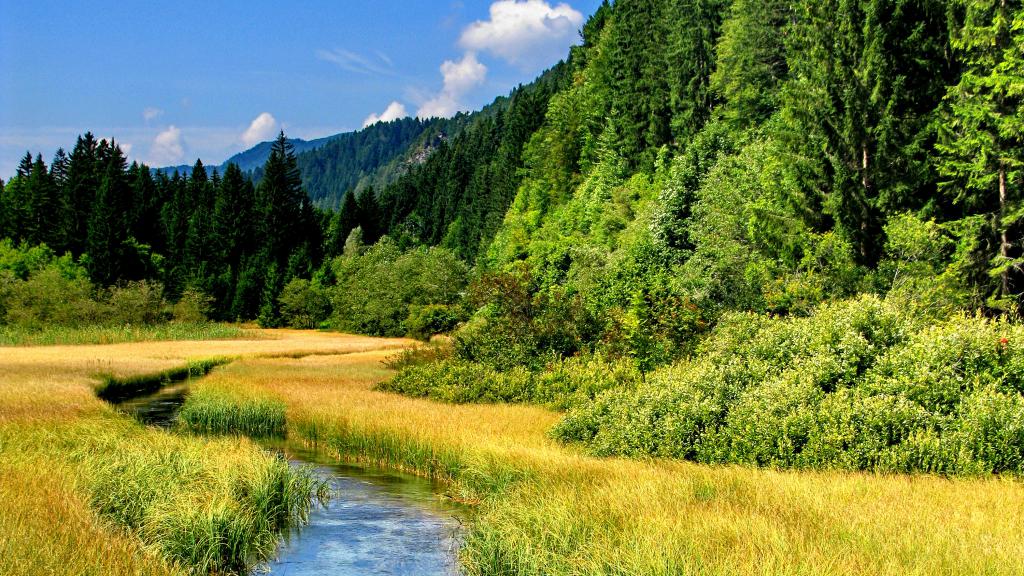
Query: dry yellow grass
[
  {"x": 47, "y": 406},
  {"x": 544, "y": 509},
  {"x": 572, "y": 514}
]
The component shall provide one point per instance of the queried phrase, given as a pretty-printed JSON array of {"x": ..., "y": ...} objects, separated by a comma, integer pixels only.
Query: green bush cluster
[
  {"x": 860, "y": 384},
  {"x": 40, "y": 290},
  {"x": 381, "y": 289},
  {"x": 561, "y": 384},
  {"x": 428, "y": 320}
]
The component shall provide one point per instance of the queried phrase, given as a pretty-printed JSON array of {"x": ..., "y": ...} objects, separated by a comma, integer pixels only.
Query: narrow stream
[{"x": 377, "y": 522}]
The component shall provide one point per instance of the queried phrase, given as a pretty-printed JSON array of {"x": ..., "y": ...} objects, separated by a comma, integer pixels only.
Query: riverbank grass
[
  {"x": 60, "y": 335},
  {"x": 544, "y": 509},
  {"x": 209, "y": 411}
]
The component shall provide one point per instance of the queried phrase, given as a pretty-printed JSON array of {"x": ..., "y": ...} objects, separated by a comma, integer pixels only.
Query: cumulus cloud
[
  {"x": 394, "y": 111},
  {"x": 459, "y": 78},
  {"x": 168, "y": 148},
  {"x": 151, "y": 113},
  {"x": 263, "y": 128},
  {"x": 524, "y": 33}
]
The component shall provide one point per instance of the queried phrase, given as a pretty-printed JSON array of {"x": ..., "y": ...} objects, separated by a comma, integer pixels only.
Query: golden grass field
[{"x": 542, "y": 508}]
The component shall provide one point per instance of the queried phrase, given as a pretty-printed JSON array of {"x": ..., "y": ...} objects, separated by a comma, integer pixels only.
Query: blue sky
[{"x": 188, "y": 79}]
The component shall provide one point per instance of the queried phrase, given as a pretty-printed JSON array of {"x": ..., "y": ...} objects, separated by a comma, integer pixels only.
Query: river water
[{"x": 377, "y": 522}]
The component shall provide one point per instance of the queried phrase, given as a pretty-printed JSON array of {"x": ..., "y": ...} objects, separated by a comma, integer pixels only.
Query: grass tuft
[{"x": 214, "y": 412}]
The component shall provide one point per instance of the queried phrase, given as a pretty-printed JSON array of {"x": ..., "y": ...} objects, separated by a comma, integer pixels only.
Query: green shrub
[
  {"x": 560, "y": 385},
  {"x": 50, "y": 297},
  {"x": 304, "y": 304},
  {"x": 857, "y": 385},
  {"x": 431, "y": 319},
  {"x": 376, "y": 288},
  {"x": 137, "y": 303},
  {"x": 193, "y": 307},
  {"x": 436, "y": 351},
  {"x": 989, "y": 434}
]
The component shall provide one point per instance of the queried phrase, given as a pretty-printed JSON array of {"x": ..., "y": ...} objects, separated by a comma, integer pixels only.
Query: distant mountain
[
  {"x": 254, "y": 157},
  {"x": 372, "y": 157}
]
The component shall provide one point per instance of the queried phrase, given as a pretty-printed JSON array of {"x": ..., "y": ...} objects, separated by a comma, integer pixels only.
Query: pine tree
[
  {"x": 108, "y": 226},
  {"x": 44, "y": 208},
  {"x": 982, "y": 142},
  {"x": 280, "y": 198},
  {"x": 751, "y": 60},
  {"x": 694, "y": 28},
  {"x": 865, "y": 82},
  {"x": 632, "y": 69},
  {"x": 344, "y": 221},
  {"x": 369, "y": 216},
  {"x": 83, "y": 180}
]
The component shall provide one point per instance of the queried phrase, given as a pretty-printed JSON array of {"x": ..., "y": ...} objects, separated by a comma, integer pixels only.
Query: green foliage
[
  {"x": 981, "y": 147},
  {"x": 48, "y": 297},
  {"x": 376, "y": 289},
  {"x": 192, "y": 307},
  {"x": 304, "y": 304},
  {"x": 139, "y": 303},
  {"x": 559, "y": 385},
  {"x": 861, "y": 385},
  {"x": 432, "y": 319}
]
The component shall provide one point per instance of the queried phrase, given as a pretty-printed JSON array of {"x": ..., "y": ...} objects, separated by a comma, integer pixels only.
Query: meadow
[
  {"x": 142, "y": 501},
  {"x": 129, "y": 499},
  {"x": 543, "y": 508}
]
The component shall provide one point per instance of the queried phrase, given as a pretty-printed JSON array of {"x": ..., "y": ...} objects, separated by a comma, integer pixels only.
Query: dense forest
[{"x": 784, "y": 232}]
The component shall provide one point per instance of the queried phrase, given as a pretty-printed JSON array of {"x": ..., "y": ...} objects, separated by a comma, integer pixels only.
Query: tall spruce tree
[
  {"x": 108, "y": 226},
  {"x": 693, "y": 30},
  {"x": 280, "y": 199},
  {"x": 982, "y": 143},
  {"x": 42, "y": 225},
  {"x": 751, "y": 60},
  {"x": 866, "y": 79},
  {"x": 83, "y": 180}
]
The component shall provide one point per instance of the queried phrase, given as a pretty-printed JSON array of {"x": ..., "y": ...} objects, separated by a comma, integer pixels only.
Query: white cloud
[
  {"x": 394, "y": 111},
  {"x": 263, "y": 128},
  {"x": 459, "y": 78},
  {"x": 151, "y": 113},
  {"x": 353, "y": 62},
  {"x": 168, "y": 148},
  {"x": 525, "y": 33}
]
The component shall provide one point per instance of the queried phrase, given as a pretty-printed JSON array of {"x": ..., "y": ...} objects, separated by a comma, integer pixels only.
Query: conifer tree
[
  {"x": 369, "y": 215},
  {"x": 344, "y": 221},
  {"x": 108, "y": 226},
  {"x": 751, "y": 60},
  {"x": 982, "y": 142},
  {"x": 693, "y": 30},
  {"x": 280, "y": 198},
  {"x": 866, "y": 78},
  {"x": 83, "y": 180},
  {"x": 43, "y": 211}
]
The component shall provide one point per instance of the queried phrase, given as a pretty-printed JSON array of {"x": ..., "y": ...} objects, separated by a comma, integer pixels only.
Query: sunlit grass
[
  {"x": 545, "y": 509},
  {"x": 541, "y": 508},
  {"x": 84, "y": 490},
  {"x": 58, "y": 335},
  {"x": 213, "y": 412}
]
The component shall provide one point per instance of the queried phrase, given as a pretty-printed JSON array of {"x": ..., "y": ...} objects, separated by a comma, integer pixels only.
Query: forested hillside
[{"x": 725, "y": 214}]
